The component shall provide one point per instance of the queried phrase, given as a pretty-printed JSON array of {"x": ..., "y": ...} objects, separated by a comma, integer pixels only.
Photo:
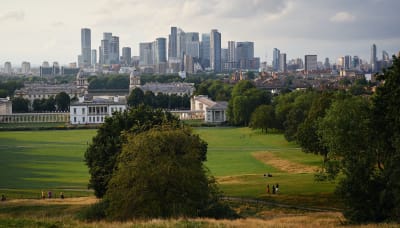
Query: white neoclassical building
[
  {"x": 212, "y": 112},
  {"x": 95, "y": 110}
]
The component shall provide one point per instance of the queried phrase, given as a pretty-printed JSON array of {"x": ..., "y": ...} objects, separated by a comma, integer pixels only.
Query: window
[
  {"x": 74, "y": 119},
  {"x": 74, "y": 110},
  {"x": 83, "y": 110},
  {"x": 83, "y": 119}
]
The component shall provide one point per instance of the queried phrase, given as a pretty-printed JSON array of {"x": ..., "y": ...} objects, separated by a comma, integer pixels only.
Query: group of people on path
[
  {"x": 50, "y": 195},
  {"x": 275, "y": 189}
]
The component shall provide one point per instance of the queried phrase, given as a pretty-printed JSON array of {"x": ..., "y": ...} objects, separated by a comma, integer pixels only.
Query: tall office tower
[
  {"x": 327, "y": 64},
  {"x": 105, "y": 49},
  {"x": 180, "y": 43},
  {"x": 347, "y": 62},
  {"x": 205, "y": 50},
  {"x": 160, "y": 51},
  {"x": 126, "y": 56},
  {"x": 86, "y": 47},
  {"x": 7, "y": 68},
  {"x": 282, "y": 62},
  {"x": 215, "y": 50},
  {"x": 385, "y": 56},
  {"x": 172, "y": 43},
  {"x": 146, "y": 54},
  {"x": 232, "y": 58},
  {"x": 224, "y": 59},
  {"x": 244, "y": 54},
  {"x": 373, "y": 58},
  {"x": 25, "y": 67},
  {"x": 192, "y": 44},
  {"x": 275, "y": 59},
  {"x": 114, "y": 50},
  {"x": 45, "y": 64},
  {"x": 310, "y": 63},
  {"x": 355, "y": 63},
  {"x": 94, "y": 57}
]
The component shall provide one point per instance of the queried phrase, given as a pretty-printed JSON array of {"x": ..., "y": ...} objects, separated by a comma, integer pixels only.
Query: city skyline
[{"x": 42, "y": 31}]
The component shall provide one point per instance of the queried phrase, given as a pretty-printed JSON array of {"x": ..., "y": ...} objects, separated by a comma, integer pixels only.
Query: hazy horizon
[{"x": 43, "y": 30}]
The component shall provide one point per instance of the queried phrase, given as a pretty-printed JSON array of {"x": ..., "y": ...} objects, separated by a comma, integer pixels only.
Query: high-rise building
[
  {"x": 373, "y": 58},
  {"x": 86, "y": 47},
  {"x": 205, "y": 50},
  {"x": 7, "y": 68},
  {"x": 114, "y": 50},
  {"x": 232, "y": 58},
  {"x": 25, "y": 67},
  {"x": 327, "y": 64},
  {"x": 275, "y": 59},
  {"x": 215, "y": 50},
  {"x": 310, "y": 63},
  {"x": 146, "y": 54},
  {"x": 172, "y": 43},
  {"x": 94, "y": 57},
  {"x": 347, "y": 62},
  {"x": 180, "y": 43},
  {"x": 356, "y": 63},
  {"x": 126, "y": 56},
  {"x": 244, "y": 54},
  {"x": 282, "y": 62},
  {"x": 109, "y": 50},
  {"x": 385, "y": 56},
  {"x": 224, "y": 59},
  {"x": 160, "y": 51}
]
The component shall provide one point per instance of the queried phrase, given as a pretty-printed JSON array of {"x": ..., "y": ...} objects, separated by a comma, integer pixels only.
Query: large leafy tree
[
  {"x": 263, "y": 117},
  {"x": 102, "y": 153},
  {"x": 62, "y": 101},
  {"x": 160, "y": 173},
  {"x": 363, "y": 136},
  {"x": 20, "y": 104},
  {"x": 136, "y": 97}
]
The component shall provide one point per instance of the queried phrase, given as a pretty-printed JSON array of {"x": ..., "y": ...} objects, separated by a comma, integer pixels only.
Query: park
[{"x": 52, "y": 160}]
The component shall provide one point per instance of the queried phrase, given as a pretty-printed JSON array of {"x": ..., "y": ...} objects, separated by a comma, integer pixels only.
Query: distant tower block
[{"x": 134, "y": 80}]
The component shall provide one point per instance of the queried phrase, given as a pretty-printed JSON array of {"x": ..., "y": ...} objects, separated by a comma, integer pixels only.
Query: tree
[
  {"x": 307, "y": 136},
  {"x": 20, "y": 105},
  {"x": 101, "y": 154},
  {"x": 263, "y": 117},
  {"x": 136, "y": 97},
  {"x": 160, "y": 174},
  {"x": 63, "y": 101}
]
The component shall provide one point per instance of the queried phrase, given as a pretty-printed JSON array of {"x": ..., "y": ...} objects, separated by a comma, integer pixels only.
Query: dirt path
[
  {"x": 282, "y": 164},
  {"x": 67, "y": 201}
]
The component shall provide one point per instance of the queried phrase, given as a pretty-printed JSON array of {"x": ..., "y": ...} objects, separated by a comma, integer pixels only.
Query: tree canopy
[{"x": 102, "y": 153}]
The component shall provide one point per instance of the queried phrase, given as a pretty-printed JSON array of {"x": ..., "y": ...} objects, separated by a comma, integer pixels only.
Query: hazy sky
[{"x": 38, "y": 30}]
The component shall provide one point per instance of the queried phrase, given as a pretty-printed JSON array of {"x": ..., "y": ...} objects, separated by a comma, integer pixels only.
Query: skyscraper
[
  {"x": 275, "y": 59},
  {"x": 86, "y": 47},
  {"x": 172, "y": 43},
  {"x": 205, "y": 50},
  {"x": 160, "y": 50},
  {"x": 244, "y": 54},
  {"x": 25, "y": 67},
  {"x": 310, "y": 63},
  {"x": 109, "y": 49},
  {"x": 114, "y": 50},
  {"x": 373, "y": 58},
  {"x": 146, "y": 53},
  {"x": 7, "y": 68},
  {"x": 232, "y": 58},
  {"x": 347, "y": 62},
  {"x": 215, "y": 50},
  {"x": 94, "y": 57},
  {"x": 327, "y": 64},
  {"x": 282, "y": 62},
  {"x": 126, "y": 56}
]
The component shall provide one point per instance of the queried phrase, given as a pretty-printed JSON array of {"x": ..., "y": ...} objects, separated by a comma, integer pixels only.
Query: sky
[{"x": 49, "y": 30}]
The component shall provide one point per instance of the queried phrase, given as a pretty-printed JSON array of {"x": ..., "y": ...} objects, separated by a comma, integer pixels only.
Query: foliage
[
  {"x": 102, "y": 153},
  {"x": 109, "y": 82},
  {"x": 263, "y": 117},
  {"x": 307, "y": 136},
  {"x": 215, "y": 89},
  {"x": 43, "y": 105},
  {"x": 160, "y": 174},
  {"x": 62, "y": 101},
  {"x": 164, "y": 101},
  {"x": 245, "y": 99},
  {"x": 20, "y": 105},
  {"x": 8, "y": 87},
  {"x": 364, "y": 137}
]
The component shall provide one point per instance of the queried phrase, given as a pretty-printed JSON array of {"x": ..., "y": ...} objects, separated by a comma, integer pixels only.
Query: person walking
[
  {"x": 273, "y": 189},
  {"x": 43, "y": 195},
  {"x": 268, "y": 189},
  {"x": 277, "y": 188}
]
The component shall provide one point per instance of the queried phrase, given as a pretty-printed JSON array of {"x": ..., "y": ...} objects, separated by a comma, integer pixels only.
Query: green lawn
[{"x": 35, "y": 160}]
